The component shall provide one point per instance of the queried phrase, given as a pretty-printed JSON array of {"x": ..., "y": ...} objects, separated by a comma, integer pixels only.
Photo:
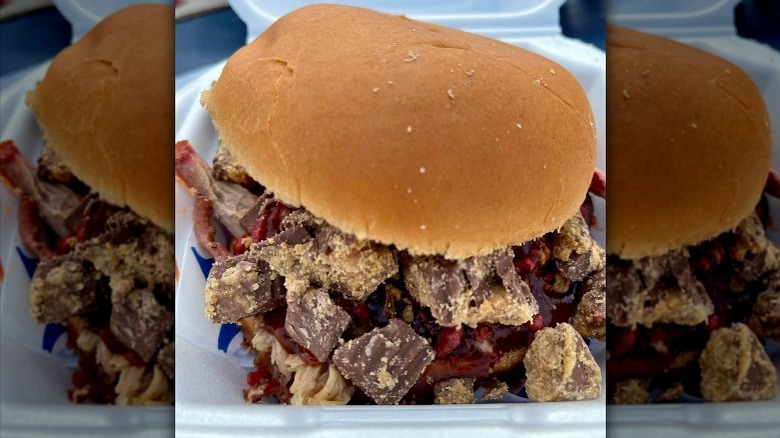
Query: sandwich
[
  {"x": 693, "y": 281},
  {"x": 407, "y": 214},
  {"x": 97, "y": 208}
]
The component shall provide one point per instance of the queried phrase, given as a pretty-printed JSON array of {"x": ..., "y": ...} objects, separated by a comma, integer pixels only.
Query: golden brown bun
[
  {"x": 106, "y": 107},
  {"x": 689, "y": 144},
  {"x": 406, "y": 133}
]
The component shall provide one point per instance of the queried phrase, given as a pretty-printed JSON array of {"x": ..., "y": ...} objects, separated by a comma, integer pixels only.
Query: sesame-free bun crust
[
  {"x": 406, "y": 133},
  {"x": 688, "y": 147},
  {"x": 106, "y": 107}
]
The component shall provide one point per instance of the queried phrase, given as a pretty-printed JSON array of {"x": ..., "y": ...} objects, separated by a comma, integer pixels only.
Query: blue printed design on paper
[
  {"x": 29, "y": 263},
  {"x": 204, "y": 263},
  {"x": 226, "y": 334}
]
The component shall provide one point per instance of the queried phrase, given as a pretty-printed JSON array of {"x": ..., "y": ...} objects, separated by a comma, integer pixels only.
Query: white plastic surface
[
  {"x": 494, "y": 18},
  {"x": 707, "y": 24},
  {"x": 210, "y": 379},
  {"x": 85, "y": 14},
  {"x": 673, "y": 17},
  {"x": 36, "y": 366}
]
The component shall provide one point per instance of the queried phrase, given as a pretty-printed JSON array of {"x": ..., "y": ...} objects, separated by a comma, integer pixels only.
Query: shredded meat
[
  {"x": 229, "y": 201},
  {"x": 55, "y": 202}
]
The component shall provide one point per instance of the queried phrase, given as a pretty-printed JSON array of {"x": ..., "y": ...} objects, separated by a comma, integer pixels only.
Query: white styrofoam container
[
  {"x": 83, "y": 15},
  {"x": 210, "y": 363},
  {"x": 35, "y": 365},
  {"x": 709, "y": 25}
]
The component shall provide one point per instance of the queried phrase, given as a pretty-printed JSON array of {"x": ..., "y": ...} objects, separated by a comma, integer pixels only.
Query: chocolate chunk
[
  {"x": 293, "y": 236},
  {"x": 226, "y": 168},
  {"x": 494, "y": 389},
  {"x": 165, "y": 359},
  {"x": 302, "y": 218},
  {"x": 332, "y": 259},
  {"x": 385, "y": 362},
  {"x": 630, "y": 392},
  {"x": 140, "y": 322},
  {"x": 575, "y": 252},
  {"x": 509, "y": 359},
  {"x": 242, "y": 286},
  {"x": 51, "y": 168},
  {"x": 265, "y": 218},
  {"x": 765, "y": 316},
  {"x": 63, "y": 287},
  {"x": 472, "y": 291},
  {"x": 753, "y": 266},
  {"x": 316, "y": 323},
  {"x": 670, "y": 393},
  {"x": 250, "y": 218},
  {"x": 751, "y": 251},
  {"x": 455, "y": 391},
  {"x": 655, "y": 289},
  {"x": 132, "y": 250},
  {"x": 735, "y": 367},
  {"x": 559, "y": 366},
  {"x": 576, "y": 267},
  {"x": 590, "y": 317},
  {"x": 85, "y": 206}
]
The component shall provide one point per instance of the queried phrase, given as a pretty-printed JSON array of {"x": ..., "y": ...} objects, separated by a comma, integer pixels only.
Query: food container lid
[{"x": 494, "y": 18}]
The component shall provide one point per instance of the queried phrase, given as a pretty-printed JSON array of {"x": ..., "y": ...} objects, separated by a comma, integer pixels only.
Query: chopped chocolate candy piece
[
  {"x": 494, "y": 389},
  {"x": 131, "y": 250},
  {"x": 751, "y": 252},
  {"x": 682, "y": 359},
  {"x": 509, "y": 359},
  {"x": 472, "y": 291},
  {"x": 250, "y": 218},
  {"x": 630, "y": 392},
  {"x": 140, "y": 322},
  {"x": 293, "y": 236},
  {"x": 590, "y": 317},
  {"x": 454, "y": 391},
  {"x": 559, "y": 366},
  {"x": 331, "y": 260},
  {"x": 575, "y": 252},
  {"x": 735, "y": 367},
  {"x": 316, "y": 323},
  {"x": 226, "y": 168},
  {"x": 165, "y": 359},
  {"x": 62, "y": 287},
  {"x": 385, "y": 362},
  {"x": 655, "y": 289},
  {"x": 670, "y": 393},
  {"x": 51, "y": 168},
  {"x": 765, "y": 317},
  {"x": 302, "y": 218},
  {"x": 242, "y": 286}
]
